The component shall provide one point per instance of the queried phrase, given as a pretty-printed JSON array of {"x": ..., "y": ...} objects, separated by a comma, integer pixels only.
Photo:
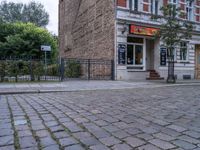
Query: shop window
[
  {"x": 134, "y": 54},
  {"x": 138, "y": 54},
  {"x": 183, "y": 51},
  {"x": 130, "y": 54}
]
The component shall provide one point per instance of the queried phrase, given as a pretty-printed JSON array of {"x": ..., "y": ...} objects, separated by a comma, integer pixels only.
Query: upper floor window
[
  {"x": 197, "y": 10},
  {"x": 122, "y": 3},
  {"x": 174, "y": 4},
  {"x": 135, "y": 4},
  {"x": 189, "y": 10},
  {"x": 146, "y": 5},
  {"x": 154, "y": 7}
]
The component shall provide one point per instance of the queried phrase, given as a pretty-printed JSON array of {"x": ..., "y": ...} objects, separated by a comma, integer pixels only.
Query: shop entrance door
[{"x": 197, "y": 69}]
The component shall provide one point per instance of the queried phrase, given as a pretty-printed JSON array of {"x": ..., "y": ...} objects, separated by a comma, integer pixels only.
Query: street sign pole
[
  {"x": 45, "y": 49},
  {"x": 45, "y": 61}
]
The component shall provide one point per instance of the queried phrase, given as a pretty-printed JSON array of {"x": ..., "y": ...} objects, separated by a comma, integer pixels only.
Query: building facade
[{"x": 123, "y": 30}]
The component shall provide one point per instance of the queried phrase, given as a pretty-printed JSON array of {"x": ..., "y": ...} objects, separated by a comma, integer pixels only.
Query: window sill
[{"x": 184, "y": 61}]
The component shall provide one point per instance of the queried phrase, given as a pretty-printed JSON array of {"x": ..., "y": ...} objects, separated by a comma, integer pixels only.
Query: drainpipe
[{"x": 115, "y": 40}]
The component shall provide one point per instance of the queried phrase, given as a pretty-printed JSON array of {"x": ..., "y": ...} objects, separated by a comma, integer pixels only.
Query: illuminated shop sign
[{"x": 139, "y": 30}]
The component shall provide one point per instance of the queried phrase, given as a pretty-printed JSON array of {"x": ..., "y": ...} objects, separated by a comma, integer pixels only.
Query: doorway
[
  {"x": 197, "y": 60},
  {"x": 149, "y": 54}
]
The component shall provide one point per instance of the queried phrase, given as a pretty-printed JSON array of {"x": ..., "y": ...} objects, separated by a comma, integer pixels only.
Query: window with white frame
[
  {"x": 189, "y": 10},
  {"x": 146, "y": 5},
  {"x": 154, "y": 7},
  {"x": 173, "y": 3},
  {"x": 135, "y": 4},
  {"x": 183, "y": 51}
]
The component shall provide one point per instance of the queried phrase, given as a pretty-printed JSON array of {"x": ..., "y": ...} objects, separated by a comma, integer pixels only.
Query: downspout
[{"x": 115, "y": 44}]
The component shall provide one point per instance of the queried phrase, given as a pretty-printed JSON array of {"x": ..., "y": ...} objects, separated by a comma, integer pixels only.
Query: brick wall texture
[{"x": 87, "y": 29}]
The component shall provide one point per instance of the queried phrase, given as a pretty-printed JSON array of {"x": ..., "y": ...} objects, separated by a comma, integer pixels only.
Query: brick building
[{"x": 123, "y": 30}]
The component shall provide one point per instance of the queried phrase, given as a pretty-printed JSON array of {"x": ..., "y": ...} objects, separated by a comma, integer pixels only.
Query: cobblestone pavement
[{"x": 137, "y": 119}]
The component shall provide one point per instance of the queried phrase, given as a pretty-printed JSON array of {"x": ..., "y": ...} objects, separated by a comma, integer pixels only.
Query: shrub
[{"x": 73, "y": 69}]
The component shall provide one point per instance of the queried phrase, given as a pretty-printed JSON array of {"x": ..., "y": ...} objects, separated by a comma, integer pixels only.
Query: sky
[{"x": 51, "y": 7}]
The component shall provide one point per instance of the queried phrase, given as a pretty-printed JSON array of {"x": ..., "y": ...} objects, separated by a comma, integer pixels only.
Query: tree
[
  {"x": 32, "y": 12},
  {"x": 25, "y": 39},
  {"x": 172, "y": 32}
]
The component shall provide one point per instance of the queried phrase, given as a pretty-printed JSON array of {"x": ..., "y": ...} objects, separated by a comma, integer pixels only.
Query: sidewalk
[{"x": 69, "y": 86}]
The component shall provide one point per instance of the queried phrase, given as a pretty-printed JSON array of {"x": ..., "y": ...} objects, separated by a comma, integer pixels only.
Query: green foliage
[
  {"x": 173, "y": 30},
  {"x": 53, "y": 70},
  {"x": 25, "y": 39},
  {"x": 33, "y": 12},
  {"x": 73, "y": 69},
  {"x": 24, "y": 70}
]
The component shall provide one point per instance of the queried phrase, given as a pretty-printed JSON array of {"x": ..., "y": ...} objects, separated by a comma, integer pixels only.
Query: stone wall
[{"x": 87, "y": 29}]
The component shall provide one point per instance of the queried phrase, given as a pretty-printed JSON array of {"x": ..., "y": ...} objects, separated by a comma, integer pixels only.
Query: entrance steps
[{"x": 154, "y": 75}]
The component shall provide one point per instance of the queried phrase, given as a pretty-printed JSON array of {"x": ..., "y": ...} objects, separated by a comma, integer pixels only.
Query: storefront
[{"x": 136, "y": 52}]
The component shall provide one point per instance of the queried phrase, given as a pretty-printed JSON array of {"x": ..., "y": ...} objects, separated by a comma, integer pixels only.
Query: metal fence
[
  {"x": 26, "y": 69},
  {"x": 87, "y": 69},
  {"x": 29, "y": 69}
]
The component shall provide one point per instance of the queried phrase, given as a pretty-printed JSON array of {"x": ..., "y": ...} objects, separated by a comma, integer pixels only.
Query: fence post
[
  {"x": 89, "y": 69},
  {"x": 62, "y": 69},
  {"x": 112, "y": 70},
  {"x": 31, "y": 71}
]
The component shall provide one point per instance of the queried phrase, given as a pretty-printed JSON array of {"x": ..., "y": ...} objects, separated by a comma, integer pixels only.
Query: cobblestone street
[{"x": 135, "y": 119}]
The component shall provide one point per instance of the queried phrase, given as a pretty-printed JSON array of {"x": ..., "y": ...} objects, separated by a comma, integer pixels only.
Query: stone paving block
[
  {"x": 184, "y": 145},
  {"x": 38, "y": 127},
  {"x": 75, "y": 147},
  {"x": 109, "y": 141},
  {"x": 68, "y": 141},
  {"x": 101, "y": 123},
  {"x": 120, "y": 134},
  {"x": 145, "y": 136},
  {"x": 31, "y": 148},
  {"x": 22, "y": 127},
  {"x": 111, "y": 128},
  {"x": 81, "y": 135},
  {"x": 99, "y": 147},
  {"x": 134, "y": 142},
  {"x": 162, "y": 144},
  {"x": 6, "y": 140},
  {"x": 148, "y": 147},
  {"x": 56, "y": 128},
  {"x": 193, "y": 134},
  {"x": 171, "y": 132},
  {"x": 100, "y": 134},
  {"x": 8, "y": 147},
  {"x": 47, "y": 141},
  {"x": 121, "y": 147},
  {"x": 177, "y": 128},
  {"x": 89, "y": 141},
  {"x": 43, "y": 133},
  {"x": 52, "y": 147},
  {"x": 51, "y": 123},
  {"x": 73, "y": 127},
  {"x": 189, "y": 139},
  {"x": 133, "y": 131},
  {"x": 27, "y": 142},
  {"x": 5, "y": 132},
  {"x": 61, "y": 134},
  {"x": 164, "y": 136},
  {"x": 24, "y": 133}
]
